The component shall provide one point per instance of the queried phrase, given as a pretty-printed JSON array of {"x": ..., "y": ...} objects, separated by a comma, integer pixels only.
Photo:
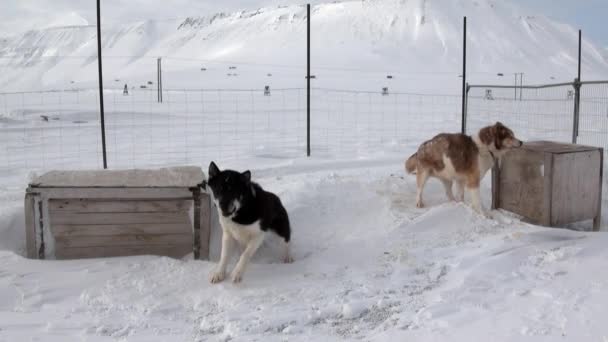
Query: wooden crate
[
  {"x": 550, "y": 184},
  {"x": 90, "y": 214}
]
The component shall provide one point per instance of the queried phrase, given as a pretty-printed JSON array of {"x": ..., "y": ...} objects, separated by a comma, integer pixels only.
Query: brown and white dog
[{"x": 462, "y": 159}]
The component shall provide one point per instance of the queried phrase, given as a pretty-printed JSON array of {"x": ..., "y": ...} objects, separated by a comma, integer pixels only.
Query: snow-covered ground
[{"x": 369, "y": 265}]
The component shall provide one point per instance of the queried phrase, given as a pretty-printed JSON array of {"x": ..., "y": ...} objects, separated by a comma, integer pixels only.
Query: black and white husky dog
[{"x": 246, "y": 213}]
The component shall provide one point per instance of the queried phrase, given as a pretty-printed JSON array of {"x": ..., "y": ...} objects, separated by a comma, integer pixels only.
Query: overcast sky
[{"x": 19, "y": 15}]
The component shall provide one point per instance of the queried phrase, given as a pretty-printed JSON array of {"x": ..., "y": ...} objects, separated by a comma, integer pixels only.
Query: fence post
[
  {"x": 464, "y": 74},
  {"x": 577, "y": 93},
  {"x": 577, "y": 102},
  {"x": 466, "y": 109},
  {"x": 308, "y": 80},
  {"x": 101, "y": 110},
  {"x": 159, "y": 80}
]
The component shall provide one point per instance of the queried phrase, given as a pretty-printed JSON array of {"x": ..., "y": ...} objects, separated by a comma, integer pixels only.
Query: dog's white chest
[{"x": 241, "y": 233}]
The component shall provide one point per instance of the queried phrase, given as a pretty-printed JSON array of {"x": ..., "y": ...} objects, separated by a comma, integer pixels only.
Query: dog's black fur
[{"x": 255, "y": 203}]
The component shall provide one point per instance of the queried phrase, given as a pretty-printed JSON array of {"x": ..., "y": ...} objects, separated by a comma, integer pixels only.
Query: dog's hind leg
[
  {"x": 227, "y": 247},
  {"x": 421, "y": 177},
  {"x": 459, "y": 191},
  {"x": 252, "y": 246},
  {"x": 448, "y": 189}
]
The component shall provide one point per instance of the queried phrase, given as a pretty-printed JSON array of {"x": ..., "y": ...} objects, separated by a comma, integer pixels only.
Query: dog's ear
[
  {"x": 213, "y": 170},
  {"x": 247, "y": 175},
  {"x": 499, "y": 124}
]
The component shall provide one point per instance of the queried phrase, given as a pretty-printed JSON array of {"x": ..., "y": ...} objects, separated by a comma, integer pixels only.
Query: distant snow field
[{"x": 369, "y": 265}]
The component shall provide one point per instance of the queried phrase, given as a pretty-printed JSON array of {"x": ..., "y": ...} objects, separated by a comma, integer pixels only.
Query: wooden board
[
  {"x": 519, "y": 196},
  {"x": 143, "y": 240},
  {"x": 75, "y": 218},
  {"x": 555, "y": 147},
  {"x": 30, "y": 226},
  {"x": 120, "y": 229},
  {"x": 575, "y": 190},
  {"x": 113, "y": 193},
  {"x": 205, "y": 233},
  {"x": 177, "y": 251},
  {"x": 118, "y": 206},
  {"x": 172, "y": 177}
]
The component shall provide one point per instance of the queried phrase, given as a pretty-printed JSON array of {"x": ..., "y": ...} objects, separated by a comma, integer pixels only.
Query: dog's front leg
[
  {"x": 227, "y": 246},
  {"x": 252, "y": 246},
  {"x": 476, "y": 202}
]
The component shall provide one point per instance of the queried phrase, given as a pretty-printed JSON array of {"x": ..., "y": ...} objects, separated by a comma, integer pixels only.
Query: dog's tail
[{"x": 410, "y": 164}]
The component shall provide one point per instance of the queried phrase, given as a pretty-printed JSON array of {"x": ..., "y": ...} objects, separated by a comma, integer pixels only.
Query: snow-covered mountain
[{"x": 355, "y": 44}]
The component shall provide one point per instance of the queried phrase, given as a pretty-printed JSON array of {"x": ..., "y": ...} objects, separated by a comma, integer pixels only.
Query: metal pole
[
  {"x": 515, "y": 88},
  {"x": 308, "y": 80},
  {"x": 575, "y": 120},
  {"x": 160, "y": 78},
  {"x": 464, "y": 73},
  {"x": 577, "y": 93},
  {"x": 103, "y": 123},
  {"x": 466, "y": 108},
  {"x": 580, "y": 41},
  {"x": 521, "y": 84},
  {"x": 158, "y": 81}
]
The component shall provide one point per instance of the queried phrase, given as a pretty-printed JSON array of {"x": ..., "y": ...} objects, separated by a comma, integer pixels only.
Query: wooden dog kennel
[
  {"x": 91, "y": 214},
  {"x": 550, "y": 184}
]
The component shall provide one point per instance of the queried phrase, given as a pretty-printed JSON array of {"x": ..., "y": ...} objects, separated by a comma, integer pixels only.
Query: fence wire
[
  {"x": 61, "y": 129},
  {"x": 533, "y": 114}
]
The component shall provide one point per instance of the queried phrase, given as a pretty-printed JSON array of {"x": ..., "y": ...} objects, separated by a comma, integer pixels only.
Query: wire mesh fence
[
  {"x": 593, "y": 115},
  {"x": 533, "y": 113},
  {"x": 543, "y": 112},
  {"x": 61, "y": 129}
]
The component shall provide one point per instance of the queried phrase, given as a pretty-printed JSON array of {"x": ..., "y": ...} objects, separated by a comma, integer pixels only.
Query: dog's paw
[
  {"x": 237, "y": 277},
  {"x": 217, "y": 277},
  {"x": 485, "y": 214},
  {"x": 288, "y": 259},
  {"x": 419, "y": 204}
]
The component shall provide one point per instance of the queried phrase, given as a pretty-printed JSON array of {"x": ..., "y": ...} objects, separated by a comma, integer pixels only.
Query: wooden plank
[
  {"x": 113, "y": 193},
  {"x": 496, "y": 186},
  {"x": 118, "y": 206},
  {"x": 547, "y": 199},
  {"x": 30, "y": 226},
  {"x": 123, "y": 240},
  {"x": 174, "y": 177},
  {"x": 521, "y": 183},
  {"x": 555, "y": 147},
  {"x": 67, "y": 217},
  {"x": 196, "y": 224},
  {"x": 575, "y": 188},
  {"x": 205, "y": 233},
  {"x": 597, "y": 220},
  {"x": 120, "y": 229},
  {"x": 177, "y": 251}
]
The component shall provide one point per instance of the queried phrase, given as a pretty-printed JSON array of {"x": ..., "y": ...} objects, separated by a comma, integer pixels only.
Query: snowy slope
[
  {"x": 355, "y": 44},
  {"x": 369, "y": 266}
]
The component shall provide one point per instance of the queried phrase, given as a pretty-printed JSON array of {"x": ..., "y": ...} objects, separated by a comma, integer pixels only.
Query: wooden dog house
[
  {"x": 550, "y": 184},
  {"x": 90, "y": 214}
]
